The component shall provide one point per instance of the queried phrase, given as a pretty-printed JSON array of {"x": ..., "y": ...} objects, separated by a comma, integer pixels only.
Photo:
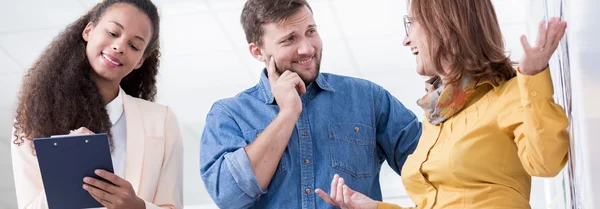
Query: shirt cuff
[
  {"x": 149, "y": 205},
  {"x": 536, "y": 87},
  {"x": 241, "y": 170}
]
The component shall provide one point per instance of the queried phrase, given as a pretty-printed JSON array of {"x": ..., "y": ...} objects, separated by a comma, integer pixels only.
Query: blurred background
[{"x": 205, "y": 58}]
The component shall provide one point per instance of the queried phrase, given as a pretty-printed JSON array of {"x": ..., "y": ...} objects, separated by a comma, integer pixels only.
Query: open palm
[
  {"x": 535, "y": 58},
  {"x": 344, "y": 197},
  {"x": 359, "y": 200}
]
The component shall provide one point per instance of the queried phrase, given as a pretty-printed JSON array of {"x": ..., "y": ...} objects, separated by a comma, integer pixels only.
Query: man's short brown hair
[{"x": 256, "y": 13}]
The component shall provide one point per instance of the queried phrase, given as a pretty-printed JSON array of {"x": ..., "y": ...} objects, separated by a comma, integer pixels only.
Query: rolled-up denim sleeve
[
  {"x": 398, "y": 130},
  {"x": 224, "y": 165}
]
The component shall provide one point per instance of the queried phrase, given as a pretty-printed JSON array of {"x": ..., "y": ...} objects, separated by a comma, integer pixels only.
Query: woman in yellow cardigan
[{"x": 488, "y": 127}]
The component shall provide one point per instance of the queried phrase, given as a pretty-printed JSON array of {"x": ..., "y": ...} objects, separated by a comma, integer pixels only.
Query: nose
[
  {"x": 406, "y": 41},
  {"x": 306, "y": 48},
  {"x": 118, "y": 46}
]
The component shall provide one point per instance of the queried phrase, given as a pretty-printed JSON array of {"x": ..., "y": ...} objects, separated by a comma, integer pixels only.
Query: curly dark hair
[{"x": 58, "y": 93}]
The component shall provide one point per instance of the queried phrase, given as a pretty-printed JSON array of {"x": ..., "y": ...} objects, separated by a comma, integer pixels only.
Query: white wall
[{"x": 584, "y": 51}]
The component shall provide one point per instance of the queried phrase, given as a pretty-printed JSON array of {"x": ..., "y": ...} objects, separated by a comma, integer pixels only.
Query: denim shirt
[{"x": 348, "y": 126}]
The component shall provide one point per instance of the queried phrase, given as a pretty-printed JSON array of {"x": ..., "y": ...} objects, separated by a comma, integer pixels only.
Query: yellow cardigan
[{"x": 484, "y": 156}]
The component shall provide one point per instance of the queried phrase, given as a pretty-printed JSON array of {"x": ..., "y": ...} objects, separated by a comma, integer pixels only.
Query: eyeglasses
[{"x": 407, "y": 24}]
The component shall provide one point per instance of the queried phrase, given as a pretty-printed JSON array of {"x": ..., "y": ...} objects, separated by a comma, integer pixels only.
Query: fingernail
[
  {"x": 85, "y": 187},
  {"x": 97, "y": 172},
  {"x": 86, "y": 179}
]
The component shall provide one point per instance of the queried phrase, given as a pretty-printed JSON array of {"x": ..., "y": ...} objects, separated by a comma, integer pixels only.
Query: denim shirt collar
[{"x": 265, "y": 86}]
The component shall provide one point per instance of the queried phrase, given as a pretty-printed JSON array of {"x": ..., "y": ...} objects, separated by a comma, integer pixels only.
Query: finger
[
  {"x": 562, "y": 27},
  {"x": 541, "y": 39},
  {"x": 300, "y": 86},
  {"x": 333, "y": 188},
  {"x": 85, "y": 130},
  {"x": 272, "y": 70},
  {"x": 76, "y": 132},
  {"x": 325, "y": 197},
  {"x": 100, "y": 184},
  {"x": 285, "y": 75},
  {"x": 525, "y": 44},
  {"x": 116, "y": 180},
  {"x": 290, "y": 76},
  {"x": 340, "y": 193},
  {"x": 81, "y": 131},
  {"x": 348, "y": 196},
  {"x": 298, "y": 83},
  {"x": 101, "y": 194},
  {"x": 551, "y": 33},
  {"x": 103, "y": 202}
]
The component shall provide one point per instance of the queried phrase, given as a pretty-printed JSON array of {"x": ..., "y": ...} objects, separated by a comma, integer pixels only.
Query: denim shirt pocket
[
  {"x": 353, "y": 148},
  {"x": 284, "y": 162}
]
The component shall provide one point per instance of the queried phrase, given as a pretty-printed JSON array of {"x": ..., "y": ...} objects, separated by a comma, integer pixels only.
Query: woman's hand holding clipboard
[{"x": 117, "y": 193}]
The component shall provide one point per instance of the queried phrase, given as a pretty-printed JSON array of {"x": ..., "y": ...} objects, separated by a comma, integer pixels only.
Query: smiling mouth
[
  {"x": 114, "y": 62},
  {"x": 414, "y": 51},
  {"x": 305, "y": 61}
]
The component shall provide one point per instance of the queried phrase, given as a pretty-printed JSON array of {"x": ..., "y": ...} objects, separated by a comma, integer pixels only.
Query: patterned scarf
[{"x": 442, "y": 102}]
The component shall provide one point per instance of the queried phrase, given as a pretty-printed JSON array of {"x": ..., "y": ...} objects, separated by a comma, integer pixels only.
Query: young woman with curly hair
[{"x": 99, "y": 76}]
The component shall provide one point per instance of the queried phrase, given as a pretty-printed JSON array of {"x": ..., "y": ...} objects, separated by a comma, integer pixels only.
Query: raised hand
[
  {"x": 344, "y": 197},
  {"x": 286, "y": 89},
  {"x": 535, "y": 58}
]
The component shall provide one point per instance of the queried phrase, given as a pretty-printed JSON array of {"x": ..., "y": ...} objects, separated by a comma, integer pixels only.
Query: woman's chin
[{"x": 421, "y": 72}]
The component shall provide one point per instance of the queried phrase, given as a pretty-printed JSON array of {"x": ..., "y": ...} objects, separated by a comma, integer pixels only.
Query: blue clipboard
[{"x": 64, "y": 161}]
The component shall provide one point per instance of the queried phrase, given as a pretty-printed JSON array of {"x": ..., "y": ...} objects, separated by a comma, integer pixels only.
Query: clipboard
[{"x": 64, "y": 161}]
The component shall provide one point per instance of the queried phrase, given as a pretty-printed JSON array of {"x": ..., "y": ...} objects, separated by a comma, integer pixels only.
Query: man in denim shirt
[{"x": 272, "y": 145}]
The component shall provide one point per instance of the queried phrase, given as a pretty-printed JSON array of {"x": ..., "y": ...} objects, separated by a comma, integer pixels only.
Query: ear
[
  {"x": 257, "y": 52},
  {"x": 86, "y": 31}
]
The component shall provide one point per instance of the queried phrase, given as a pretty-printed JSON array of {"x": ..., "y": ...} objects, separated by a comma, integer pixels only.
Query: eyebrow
[
  {"x": 121, "y": 26},
  {"x": 286, "y": 36},
  {"x": 292, "y": 33}
]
